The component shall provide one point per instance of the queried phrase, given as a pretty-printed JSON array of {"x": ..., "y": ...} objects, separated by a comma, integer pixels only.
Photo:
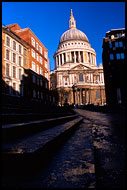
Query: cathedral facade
[{"x": 76, "y": 77}]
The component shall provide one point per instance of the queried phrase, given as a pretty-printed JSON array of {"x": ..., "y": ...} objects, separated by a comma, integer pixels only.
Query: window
[
  {"x": 41, "y": 95},
  {"x": 41, "y": 82},
  {"x": 118, "y": 56},
  {"x": 7, "y": 69},
  {"x": 37, "y": 57},
  {"x": 20, "y": 49},
  {"x": 34, "y": 94},
  {"x": 40, "y": 49},
  {"x": 33, "y": 53},
  {"x": 33, "y": 41},
  {"x": 46, "y": 65},
  {"x": 97, "y": 94},
  {"x": 33, "y": 65},
  {"x": 14, "y": 58},
  {"x": 38, "y": 81},
  {"x": 40, "y": 59},
  {"x": 24, "y": 51},
  {"x": 110, "y": 44},
  {"x": 20, "y": 61},
  {"x": 14, "y": 45},
  {"x": 111, "y": 56},
  {"x": 122, "y": 55},
  {"x": 119, "y": 95},
  {"x": 24, "y": 60},
  {"x": 37, "y": 69},
  {"x": 36, "y": 45},
  {"x": 8, "y": 41},
  {"x": 116, "y": 44},
  {"x": 45, "y": 54},
  {"x": 7, "y": 54},
  {"x": 120, "y": 44},
  {"x": 34, "y": 79},
  {"x": 40, "y": 71},
  {"x": 20, "y": 74},
  {"x": 14, "y": 72},
  {"x": 80, "y": 77}
]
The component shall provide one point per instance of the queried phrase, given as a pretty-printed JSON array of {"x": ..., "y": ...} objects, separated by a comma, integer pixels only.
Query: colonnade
[
  {"x": 75, "y": 57},
  {"x": 82, "y": 96}
]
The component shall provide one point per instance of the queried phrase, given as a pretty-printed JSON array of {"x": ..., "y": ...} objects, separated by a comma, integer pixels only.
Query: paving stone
[{"x": 73, "y": 166}]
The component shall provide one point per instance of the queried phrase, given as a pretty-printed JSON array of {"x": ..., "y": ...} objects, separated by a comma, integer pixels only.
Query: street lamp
[
  {"x": 100, "y": 91},
  {"x": 73, "y": 87}
]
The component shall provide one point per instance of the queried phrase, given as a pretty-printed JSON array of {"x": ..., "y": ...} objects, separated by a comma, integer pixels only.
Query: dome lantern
[{"x": 72, "y": 22}]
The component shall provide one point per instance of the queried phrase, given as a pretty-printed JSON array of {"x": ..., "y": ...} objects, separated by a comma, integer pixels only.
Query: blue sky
[{"x": 49, "y": 20}]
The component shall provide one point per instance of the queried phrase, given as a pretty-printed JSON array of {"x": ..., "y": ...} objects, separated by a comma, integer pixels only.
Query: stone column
[
  {"x": 90, "y": 59},
  {"x": 85, "y": 95},
  {"x": 80, "y": 96},
  {"x": 62, "y": 59},
  {"x": 74, "y": 57},
  {"x": 83, "y": 57},
  {"x": 59, "y": 60},
  {"x": 76, "y": 97},
  {"x": 90, "y": 96}
]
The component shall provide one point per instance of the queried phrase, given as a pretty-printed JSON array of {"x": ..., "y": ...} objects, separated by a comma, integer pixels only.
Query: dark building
[{"x": 114, "y": 57}]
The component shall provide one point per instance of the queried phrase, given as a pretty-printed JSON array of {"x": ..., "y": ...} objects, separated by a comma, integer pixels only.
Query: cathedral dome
[{"x": 73, "y": 34}]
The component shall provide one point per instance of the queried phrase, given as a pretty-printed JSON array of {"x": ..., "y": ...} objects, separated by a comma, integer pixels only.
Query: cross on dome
[{"x": 72, "y": 22}]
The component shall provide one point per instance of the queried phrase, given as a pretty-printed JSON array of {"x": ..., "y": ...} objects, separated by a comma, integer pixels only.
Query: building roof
[
  {"x": 19, "y": 29},
  {"x": 13, "y": 35}
]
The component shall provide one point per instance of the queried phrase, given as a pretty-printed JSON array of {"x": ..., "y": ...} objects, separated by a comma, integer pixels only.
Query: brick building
[
  {"x": 36, "y": 69},
  {"x": 114, "y": 66}
]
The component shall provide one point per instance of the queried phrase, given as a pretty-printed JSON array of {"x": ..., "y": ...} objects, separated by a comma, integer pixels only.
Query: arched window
[
  {"x": 34, "y": 94},
  {"x": 97, "y": 94},
  {"x": 80, "y": 77}
]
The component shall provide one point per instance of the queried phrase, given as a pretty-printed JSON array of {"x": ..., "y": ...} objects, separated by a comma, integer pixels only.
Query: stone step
[
  {"x": 11, "y": 118},
  {"x": 12, "y": 132},
  {"x": 16, "y": 109},
  {"x": 32, "y": 151}
]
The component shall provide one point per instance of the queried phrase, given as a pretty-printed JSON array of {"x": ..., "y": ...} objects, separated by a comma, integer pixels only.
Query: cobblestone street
[
  {"x": 109, "y": 148},
  {"x": 94, "y": 156}
]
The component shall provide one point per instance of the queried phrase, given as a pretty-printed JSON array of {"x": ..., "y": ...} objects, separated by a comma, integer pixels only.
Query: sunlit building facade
[
  {"x": 76, "y": 77},
  {"x": 14, "y": 57}
]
